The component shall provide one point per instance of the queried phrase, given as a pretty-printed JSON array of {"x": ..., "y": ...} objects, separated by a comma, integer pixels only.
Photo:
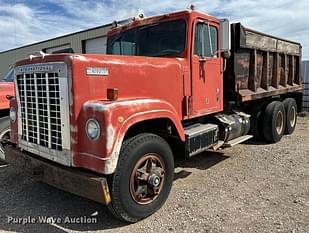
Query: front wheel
[
  {"x": 4, "y": 136},
  {"x": 143, "y": 178}
]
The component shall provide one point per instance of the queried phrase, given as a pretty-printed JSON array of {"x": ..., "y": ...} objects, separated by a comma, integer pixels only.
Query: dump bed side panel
[{"x": 261, "y": 65}]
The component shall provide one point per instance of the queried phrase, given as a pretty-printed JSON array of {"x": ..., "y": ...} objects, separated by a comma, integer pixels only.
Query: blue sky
[{"x": 23, "y": 21}]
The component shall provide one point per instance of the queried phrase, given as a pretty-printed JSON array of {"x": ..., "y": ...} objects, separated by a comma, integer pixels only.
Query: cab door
[{"x": 206, "y": 75}]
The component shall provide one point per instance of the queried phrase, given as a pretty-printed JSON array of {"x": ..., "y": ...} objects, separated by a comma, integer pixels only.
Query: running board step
[
  {"x": 237, "y": 140},
  {"x": 200, "y": 137}
]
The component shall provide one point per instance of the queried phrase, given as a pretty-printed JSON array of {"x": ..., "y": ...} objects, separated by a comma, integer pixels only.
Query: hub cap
[
  {"x": 147, "y": 179},
  {"x": 279, "y": 122}
]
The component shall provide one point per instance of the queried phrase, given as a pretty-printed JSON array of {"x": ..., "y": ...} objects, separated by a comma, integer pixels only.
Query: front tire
[
  {"x": 274, "y": 122},
  {"x": 143, "y": 177},
  {"x": 4, "y": 136}
]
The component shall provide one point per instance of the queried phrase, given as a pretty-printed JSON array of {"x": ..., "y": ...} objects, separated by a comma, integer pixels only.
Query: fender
[{"x": 117, "y": 117}]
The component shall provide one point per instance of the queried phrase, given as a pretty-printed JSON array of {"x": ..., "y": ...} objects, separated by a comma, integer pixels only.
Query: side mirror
[
  {"x": 226, "y": 54},
  {"x": 225, "y": 38},
  {"x": 9, "y": 97}
]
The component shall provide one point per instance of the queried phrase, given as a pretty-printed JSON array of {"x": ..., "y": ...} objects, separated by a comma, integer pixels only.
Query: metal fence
[{"x": 305, "y": 73}]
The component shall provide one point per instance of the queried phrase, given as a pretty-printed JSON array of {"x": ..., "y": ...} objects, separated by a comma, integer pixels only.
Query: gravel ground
[{"x": 251, "y": 187}]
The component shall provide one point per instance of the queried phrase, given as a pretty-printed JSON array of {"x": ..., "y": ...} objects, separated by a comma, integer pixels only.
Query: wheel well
[
  {"x": 163, "y": 127},
  {"x": 4, "y": 112}
]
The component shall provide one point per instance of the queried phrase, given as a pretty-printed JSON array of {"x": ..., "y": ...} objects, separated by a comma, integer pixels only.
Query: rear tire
[
  {"x": 143, "y": 177},
  {"x": 290, "y": 107},
  {"x": 274, "y": 122},
  {"x": 4, "y": 135}
]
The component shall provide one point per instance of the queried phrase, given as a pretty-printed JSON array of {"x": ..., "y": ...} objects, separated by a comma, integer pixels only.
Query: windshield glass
[
  {"x": 9, "y": 76},
  {"x": 155, "y": 40}
]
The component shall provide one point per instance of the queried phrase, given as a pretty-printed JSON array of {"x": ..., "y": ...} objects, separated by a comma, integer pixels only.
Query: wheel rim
[
  {"x": 4, "y": 137},
  {"x": 279, "y": 122},
  {"x": 292, "y": 116},
  {"x": 147, "y": 179}
]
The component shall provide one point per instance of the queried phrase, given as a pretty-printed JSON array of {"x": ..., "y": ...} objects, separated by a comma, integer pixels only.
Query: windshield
[
  {"x": 155, "y": 40},
  {"x": 9, "y": 77}
]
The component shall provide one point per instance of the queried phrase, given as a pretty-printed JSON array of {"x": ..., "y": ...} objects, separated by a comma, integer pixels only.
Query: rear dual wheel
[
  {"x": 291, "y": 115},
  {"x": 274, "y": 121},
  {"x": 279, "y": 118}
]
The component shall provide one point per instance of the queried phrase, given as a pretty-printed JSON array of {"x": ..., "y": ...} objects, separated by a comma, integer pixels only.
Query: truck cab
[{"x": 105, "y": 126}]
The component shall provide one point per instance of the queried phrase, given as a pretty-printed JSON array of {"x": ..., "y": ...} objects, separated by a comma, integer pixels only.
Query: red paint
[
  {"x": 6, "y": 88},
  {"x": 149, "y": 88}
]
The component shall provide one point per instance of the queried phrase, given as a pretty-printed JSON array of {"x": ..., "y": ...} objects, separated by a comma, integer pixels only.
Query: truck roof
[{"x": 149, "y": 20}]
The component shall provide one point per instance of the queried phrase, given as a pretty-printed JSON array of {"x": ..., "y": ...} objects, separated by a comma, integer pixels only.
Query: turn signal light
[{"x": 112, "y": 93}]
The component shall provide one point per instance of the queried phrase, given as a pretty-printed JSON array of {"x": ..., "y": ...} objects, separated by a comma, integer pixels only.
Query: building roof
[{"x": 58, "y": 37}]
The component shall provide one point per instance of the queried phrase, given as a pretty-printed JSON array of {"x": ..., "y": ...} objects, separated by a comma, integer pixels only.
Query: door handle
[{"x": 202, "y": 60}]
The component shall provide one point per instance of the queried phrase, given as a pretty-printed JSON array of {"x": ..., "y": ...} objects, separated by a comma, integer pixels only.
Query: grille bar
[
  {"x": 48, "y": 110},
  {"x": 25, "y": 108},
  {"x": 37, "y": 105}
]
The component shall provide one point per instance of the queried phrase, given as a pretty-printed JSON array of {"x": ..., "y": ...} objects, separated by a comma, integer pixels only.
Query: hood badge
[{"x": 97, "y": 71}]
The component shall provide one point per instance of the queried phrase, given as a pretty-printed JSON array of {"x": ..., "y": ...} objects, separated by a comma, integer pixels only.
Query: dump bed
[{"x": 261, "y": 65}]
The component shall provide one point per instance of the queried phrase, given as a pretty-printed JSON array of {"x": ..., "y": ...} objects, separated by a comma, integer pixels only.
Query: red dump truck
[{"x": 107, "y": 127}]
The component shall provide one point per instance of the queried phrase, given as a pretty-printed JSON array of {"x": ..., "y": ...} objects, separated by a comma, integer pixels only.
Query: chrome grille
[
  {"x": 42, "y": 93},
  {"x": 40, "y": 109}
]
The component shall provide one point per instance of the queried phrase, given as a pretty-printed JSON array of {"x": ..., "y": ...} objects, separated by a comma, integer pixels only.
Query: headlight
[
  {"x": 93, "y": 129},
  {"x": 13, "y": 114}
]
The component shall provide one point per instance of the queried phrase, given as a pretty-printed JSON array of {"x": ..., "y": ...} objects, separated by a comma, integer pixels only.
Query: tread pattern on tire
[
  {"x": 269, "y": 130},
  {"x": 4, "y": 125},
  {"x": 115, "y": 206}
]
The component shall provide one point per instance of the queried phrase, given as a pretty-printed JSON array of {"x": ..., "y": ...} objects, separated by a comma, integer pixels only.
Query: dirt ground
[{"x": 253, "y": 187}]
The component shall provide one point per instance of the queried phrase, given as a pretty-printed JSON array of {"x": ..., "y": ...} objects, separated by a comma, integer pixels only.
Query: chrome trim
[
  {"x": 37, "y": 104},
  {"x": 48, "y": 110},
  {"x": 26, "y": 107}
]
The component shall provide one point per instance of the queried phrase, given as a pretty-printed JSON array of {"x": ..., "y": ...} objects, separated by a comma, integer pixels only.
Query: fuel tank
[{"x": 232, "y": 126}]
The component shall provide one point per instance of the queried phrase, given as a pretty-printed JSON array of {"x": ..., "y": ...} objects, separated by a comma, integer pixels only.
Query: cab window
[
  {"x": 9, "y": 77},
  {"x": 206, "y": 40}
]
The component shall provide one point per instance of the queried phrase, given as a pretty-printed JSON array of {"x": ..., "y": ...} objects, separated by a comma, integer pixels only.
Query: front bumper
[{"x": 84, "y": 184}]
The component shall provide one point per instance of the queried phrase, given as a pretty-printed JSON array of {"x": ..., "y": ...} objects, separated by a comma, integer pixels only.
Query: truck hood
[{"x": 135, "y": 77}]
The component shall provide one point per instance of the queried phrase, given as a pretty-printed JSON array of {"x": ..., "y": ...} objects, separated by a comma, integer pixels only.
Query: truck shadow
[
  {"x": 201, "y": 161},
  {"x": 23, "y": 197},
  {"x": 255, "y": 142}
]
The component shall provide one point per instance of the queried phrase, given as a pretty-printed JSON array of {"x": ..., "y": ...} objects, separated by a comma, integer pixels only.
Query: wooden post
[
  {"x": 276, "y": 77},
  {"x": 291, "y": 71},
  {"x": 265, "y": 72},
  {"x": 284, "y": 77},
  {"x": 253, "y": 72}
]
